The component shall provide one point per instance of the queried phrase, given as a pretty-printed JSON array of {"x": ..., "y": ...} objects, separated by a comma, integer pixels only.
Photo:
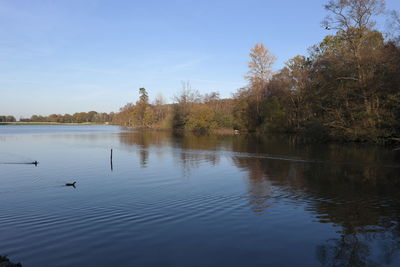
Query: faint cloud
[
  {"x": 13, "y": 81},
  {"x": 184, "y": 65},
  {"x": 218, "y": 82},
  {"x": 93, "y": 70}
]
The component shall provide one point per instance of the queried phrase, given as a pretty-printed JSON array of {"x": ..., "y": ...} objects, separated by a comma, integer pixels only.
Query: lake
[{"x": 191, "y": 200}]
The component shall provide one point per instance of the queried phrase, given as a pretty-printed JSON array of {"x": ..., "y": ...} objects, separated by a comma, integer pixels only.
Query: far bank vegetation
[{"x": 190, "y": 111}]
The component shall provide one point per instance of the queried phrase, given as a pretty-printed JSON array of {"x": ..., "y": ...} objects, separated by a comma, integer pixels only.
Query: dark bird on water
[
  {"x": 35, "y": 163},
  {"x": 71, "y": 184},
  {"x": 328, "y": 28}
]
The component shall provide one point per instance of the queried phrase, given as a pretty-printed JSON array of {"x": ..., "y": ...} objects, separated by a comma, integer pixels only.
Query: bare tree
[
  {"x": 354, "y": 20},
  {"x": 159, "y": 100},
  {"x": 396, "y": 19},
  {"x": 211, "y": 97},
  {"x": 350, "y": 14},
  {"x": 159, "y": 107},
  {"x": 394, "y": 25},
  {"x": 188, "y": 94}
]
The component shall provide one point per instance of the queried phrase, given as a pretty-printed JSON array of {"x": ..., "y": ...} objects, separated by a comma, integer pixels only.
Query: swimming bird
[{"x": 71, "y": 184}]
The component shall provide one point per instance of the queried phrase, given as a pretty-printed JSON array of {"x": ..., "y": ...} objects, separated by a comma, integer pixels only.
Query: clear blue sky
[{"x": 78, "y": 55}]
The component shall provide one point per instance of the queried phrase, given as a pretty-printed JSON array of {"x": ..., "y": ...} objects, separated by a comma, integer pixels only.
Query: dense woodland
[{"x": 346, "y": 88}]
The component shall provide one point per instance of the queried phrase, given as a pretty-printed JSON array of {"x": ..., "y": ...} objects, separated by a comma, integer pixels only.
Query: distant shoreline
[{"x": 53, "y": 123}]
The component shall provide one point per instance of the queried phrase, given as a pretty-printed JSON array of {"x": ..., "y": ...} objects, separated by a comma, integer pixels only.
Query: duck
[{"x": 70, "y": 184}]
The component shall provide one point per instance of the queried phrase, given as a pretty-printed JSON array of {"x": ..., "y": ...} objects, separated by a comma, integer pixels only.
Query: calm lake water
[{"x": 173, "y": 200}]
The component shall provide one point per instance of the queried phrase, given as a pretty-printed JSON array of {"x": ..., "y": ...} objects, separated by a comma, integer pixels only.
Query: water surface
[{"x": 187, "y": 200}]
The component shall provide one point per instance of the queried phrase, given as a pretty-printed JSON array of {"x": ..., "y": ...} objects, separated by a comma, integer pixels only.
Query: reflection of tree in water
[
  {"x": 370, "y": 234},
  {"x": 192, "y": 160},
  {"x": 142, "y": 139},
  {"x": 360, "y": 249},
  {"x": 361, "y": 198},
  {"x": 366, "y": 210},
  {"x": 348, "y": 250},
  {"x": 191, "y": 149},
  {"x": 349, "y": 190},
  {"x": 195, "y": 149},
  {"x": 259, "y": 184}
]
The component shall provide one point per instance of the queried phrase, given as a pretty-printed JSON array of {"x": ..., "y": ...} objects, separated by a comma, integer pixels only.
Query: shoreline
[
  {"x": 53, "y": 123},
  {"x": 387, "y": 142}
]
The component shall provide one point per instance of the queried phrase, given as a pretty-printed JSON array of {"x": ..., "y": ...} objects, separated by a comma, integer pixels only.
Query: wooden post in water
[{"x": 111, "y": 162}]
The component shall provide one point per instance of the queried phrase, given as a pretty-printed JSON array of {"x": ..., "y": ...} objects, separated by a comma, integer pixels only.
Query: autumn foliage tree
[{"x": 250, "y": 101}]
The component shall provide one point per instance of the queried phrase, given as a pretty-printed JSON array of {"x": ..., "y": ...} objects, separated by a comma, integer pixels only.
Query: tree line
[
  {"x": 78, "y": 117},
  {"x": 7, "y": 119},
  {"x": 346, "y": 88},
  {"x": 190, "y": 110}
]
